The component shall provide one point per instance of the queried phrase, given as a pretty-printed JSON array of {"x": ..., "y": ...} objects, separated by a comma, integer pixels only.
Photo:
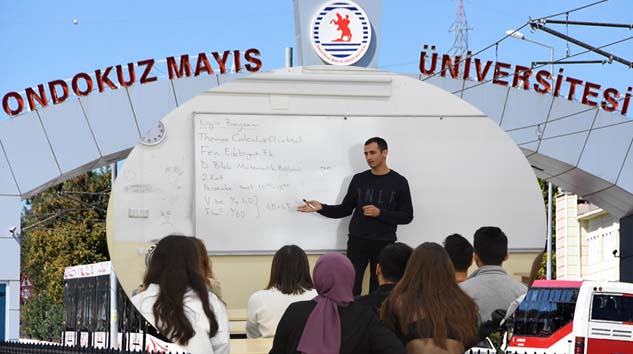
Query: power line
[
  {"x": 558, "y": 61},
  {"x": 508, "y": 35},
  {"x": 574, "y": 10},
  {"x": 495, "y": 44},
  {"x": 537, "y": 24}
]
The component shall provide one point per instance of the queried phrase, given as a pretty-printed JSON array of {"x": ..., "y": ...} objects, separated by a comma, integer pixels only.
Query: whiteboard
[{"x": 252, "y": 171}]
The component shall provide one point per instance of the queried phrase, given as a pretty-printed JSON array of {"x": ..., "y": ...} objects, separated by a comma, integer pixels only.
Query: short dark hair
[
  {"x": 290, "y": 271},
  {"x": 393, "y": 260},
  {"x": 382, "y": 144},
  {"x": 460, "y": 251},
  {"x": 491, "y": 245}
]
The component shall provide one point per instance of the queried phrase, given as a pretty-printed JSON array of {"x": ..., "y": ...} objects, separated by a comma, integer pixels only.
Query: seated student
[
  {"x": 176, "y": 300},
  {"x": 461, "y": 253},
  {"x": 490, "y": 286},
  {"x": 205, "y": 268},
  {"x": 332, "y": 323},
  {"x": 391, "y": 264},
  {"x": 289, "y": 282},
  {"x": 427, "y": 309}
]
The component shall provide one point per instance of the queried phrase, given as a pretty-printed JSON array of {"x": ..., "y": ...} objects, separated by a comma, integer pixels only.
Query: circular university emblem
[{"x": 341, "y": 32}]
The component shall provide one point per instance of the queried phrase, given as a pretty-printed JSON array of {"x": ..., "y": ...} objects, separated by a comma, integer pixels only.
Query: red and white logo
[{"x": 341, "y": 32}]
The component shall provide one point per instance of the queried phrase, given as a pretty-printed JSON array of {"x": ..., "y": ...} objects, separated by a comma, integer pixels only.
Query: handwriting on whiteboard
[{"x": 228, "y": 151}]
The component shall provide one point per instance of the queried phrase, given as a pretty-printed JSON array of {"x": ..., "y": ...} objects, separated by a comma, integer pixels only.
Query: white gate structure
[{"x": 582, "y": 149}]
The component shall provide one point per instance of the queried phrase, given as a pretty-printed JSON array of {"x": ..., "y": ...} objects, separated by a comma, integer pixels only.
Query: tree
[
  {"x": 61, "y": 226},
  {"x": 544, "y": 192},
  {"x": 42, "y": 317}
]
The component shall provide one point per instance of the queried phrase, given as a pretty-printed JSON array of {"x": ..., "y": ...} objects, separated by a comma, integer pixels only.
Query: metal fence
[{"x": 37, "y": 348}]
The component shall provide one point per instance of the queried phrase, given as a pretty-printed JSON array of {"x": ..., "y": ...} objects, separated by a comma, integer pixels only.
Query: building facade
[{"x": 587, "y": 241}]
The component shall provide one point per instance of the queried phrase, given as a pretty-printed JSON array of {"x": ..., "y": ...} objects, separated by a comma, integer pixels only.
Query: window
[
  {"x": 88, "y": 294},
  {"x": 612, "y": 307},
  {"x": 102, "y": 303},
  {"x": 611, "y": 242},
  {"x": 70, "y": 305},
  {"x": 130, "y": 320},
  {"x": 81, "y": 300},
  {"x": 544, "y": 311},
  {"x": 595, "y": 249}
]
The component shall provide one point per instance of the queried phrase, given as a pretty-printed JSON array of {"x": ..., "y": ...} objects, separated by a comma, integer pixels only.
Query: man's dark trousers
[{"x": 361, "y": 252}]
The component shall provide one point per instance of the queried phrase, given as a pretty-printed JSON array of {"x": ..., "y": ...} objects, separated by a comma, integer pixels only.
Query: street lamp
[
  {"x": 519, "y": 35},
  {"x": 16, "y": 235}
]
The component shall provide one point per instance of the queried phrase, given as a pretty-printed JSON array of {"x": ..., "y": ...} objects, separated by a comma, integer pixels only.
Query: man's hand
[
  {"x": 310, "y": 206},
  {"x": 371, "y": 210}
]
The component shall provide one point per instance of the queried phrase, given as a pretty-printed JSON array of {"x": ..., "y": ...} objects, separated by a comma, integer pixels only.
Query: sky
[{"x": 40, "y": 42}]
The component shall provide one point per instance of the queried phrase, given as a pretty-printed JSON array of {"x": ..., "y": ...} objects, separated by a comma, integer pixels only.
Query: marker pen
[{"x": 310, "y": 205}]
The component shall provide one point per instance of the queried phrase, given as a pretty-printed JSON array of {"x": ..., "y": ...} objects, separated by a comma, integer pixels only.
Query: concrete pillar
[
  {"x": 10, "y": 207},
  {"x": 626, "y": 249},
  {"x": 568, "y": 250}
]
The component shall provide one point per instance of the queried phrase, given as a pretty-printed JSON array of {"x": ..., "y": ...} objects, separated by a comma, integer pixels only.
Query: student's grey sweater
[{"x": 492, "y": 288}]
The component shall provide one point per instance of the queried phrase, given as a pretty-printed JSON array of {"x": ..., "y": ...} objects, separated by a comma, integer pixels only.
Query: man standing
[
  {"x": 490, "y": 286},
  {"x": 380, "y": 200}
]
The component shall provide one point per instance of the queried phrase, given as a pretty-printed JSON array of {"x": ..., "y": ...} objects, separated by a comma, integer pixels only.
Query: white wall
[
  {"x": 468, "y": 175},
  {"x": 601, "y": 235}
]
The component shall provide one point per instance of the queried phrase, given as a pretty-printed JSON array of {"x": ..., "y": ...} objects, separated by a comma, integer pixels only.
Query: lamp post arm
[{"x": 538, "y": 43}]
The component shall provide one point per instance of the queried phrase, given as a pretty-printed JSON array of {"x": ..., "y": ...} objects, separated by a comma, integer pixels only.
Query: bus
[
  {"x": 86, "y": 320},
  {"x": 573, "y": 317}
]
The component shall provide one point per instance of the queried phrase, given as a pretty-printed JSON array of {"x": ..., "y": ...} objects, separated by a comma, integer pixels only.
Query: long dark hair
[
  {"x": 290, "y": 271},
  {"x": 428, "y": 291},
  {"x": 175, "y": 267},
  {"x": 205, "y": 262}
]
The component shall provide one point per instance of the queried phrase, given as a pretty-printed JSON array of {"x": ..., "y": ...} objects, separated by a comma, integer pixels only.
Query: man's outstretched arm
[{"x": 333, "y": 211}]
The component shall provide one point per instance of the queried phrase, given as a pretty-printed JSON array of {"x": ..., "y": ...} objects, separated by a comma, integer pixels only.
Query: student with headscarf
[
  {"x": 176, "y": 300},
  {"x": 332, "y": 323}
]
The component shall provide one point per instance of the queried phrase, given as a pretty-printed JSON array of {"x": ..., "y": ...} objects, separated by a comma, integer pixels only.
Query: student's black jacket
[
  {"x": 376, "y": 297},
  {"x": 361, "y": 331}
]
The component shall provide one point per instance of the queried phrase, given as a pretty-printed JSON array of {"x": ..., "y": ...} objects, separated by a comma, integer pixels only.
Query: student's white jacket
[
  {"x": 265, "y": 308},
  {"x": 200, "y": 343}
]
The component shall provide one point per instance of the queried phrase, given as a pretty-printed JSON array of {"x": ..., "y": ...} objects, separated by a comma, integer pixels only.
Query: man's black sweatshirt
[{"x": 389, "y": 192}]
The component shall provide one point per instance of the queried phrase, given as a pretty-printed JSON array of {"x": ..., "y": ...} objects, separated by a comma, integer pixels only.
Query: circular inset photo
[{"x": 319, "y": 157}]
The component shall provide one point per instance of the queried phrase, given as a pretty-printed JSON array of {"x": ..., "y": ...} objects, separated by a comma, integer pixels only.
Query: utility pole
[
  {"x": 114, "y": 315},
  {"x": 460, "y": 28}
]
